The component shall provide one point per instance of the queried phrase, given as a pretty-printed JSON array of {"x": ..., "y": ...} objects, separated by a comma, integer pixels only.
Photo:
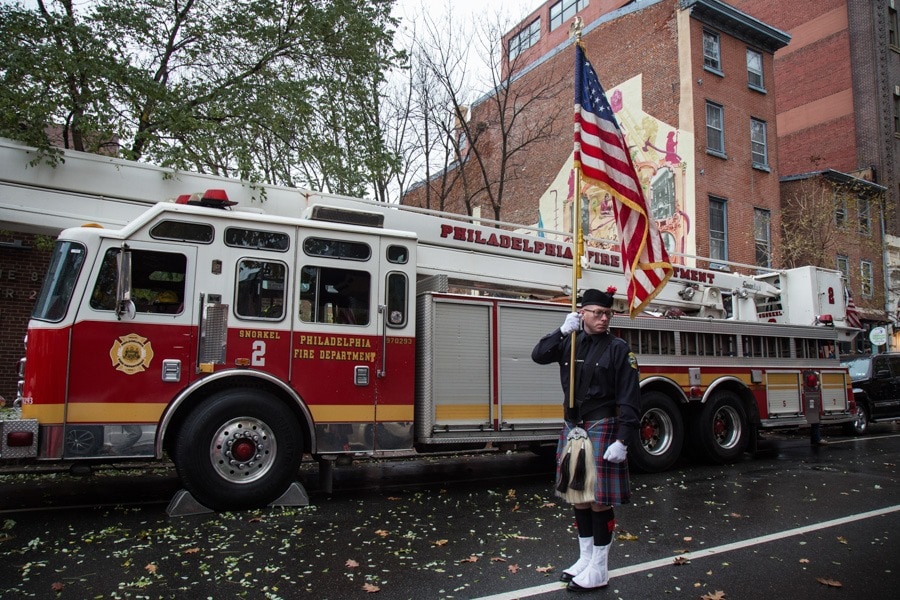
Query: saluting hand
[{"x": 573, "y": 323}]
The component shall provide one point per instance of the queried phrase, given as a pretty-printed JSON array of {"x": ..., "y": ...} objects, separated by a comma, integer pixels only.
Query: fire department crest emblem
[{"x": 131, "y": 354}]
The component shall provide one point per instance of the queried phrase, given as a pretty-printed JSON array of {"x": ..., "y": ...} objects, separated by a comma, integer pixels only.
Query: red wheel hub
[
  {"x": 243, "y": 450},
  {"x": 719, "y": 427}
]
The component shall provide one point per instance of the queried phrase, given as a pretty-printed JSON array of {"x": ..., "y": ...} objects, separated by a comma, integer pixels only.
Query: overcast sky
[{"x": 468, "y": 10}]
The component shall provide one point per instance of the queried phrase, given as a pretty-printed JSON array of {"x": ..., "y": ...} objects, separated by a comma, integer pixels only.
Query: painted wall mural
[{"x": 662, "y": 156}]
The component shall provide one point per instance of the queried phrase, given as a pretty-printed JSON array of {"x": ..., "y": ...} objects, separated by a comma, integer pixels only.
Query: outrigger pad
[{"x": 183, "y": 503}]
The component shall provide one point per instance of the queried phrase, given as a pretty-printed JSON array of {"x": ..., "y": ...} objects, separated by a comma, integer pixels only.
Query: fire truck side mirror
[{"x": 124, "y": 303}]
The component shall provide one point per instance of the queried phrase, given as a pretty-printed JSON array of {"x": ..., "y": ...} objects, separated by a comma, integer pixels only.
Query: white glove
[
  {"x": 573, "y": 323},
  {"x": 617, "y": 452}
]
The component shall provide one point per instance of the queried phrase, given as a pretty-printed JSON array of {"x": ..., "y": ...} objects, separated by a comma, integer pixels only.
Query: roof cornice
[{"x": 740, "y": 25}]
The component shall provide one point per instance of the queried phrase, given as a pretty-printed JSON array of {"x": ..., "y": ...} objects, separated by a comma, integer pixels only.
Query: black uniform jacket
[{"x": 606, "y": 378}]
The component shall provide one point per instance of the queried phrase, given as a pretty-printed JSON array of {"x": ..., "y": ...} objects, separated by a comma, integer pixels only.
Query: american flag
[
  {"x": 852, "y": 317},
  {"x": 603, "y": 157}
]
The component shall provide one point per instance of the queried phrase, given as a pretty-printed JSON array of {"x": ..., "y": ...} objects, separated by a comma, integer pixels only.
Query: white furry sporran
[{"x": 577, "y": 469}]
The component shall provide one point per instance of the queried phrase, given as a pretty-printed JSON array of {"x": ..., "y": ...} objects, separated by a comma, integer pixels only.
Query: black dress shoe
[
  {"x": 566, "y": 577},
  {"x": 819, "y": 443},
  {"x": 574, "y": 587}
]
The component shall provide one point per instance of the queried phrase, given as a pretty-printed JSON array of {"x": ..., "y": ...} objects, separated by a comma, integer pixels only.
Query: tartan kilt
[{"x": 613, "y": 484}]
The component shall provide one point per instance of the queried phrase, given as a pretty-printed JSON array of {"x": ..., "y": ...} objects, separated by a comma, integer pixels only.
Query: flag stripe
[{"x": 603, "y": 158}]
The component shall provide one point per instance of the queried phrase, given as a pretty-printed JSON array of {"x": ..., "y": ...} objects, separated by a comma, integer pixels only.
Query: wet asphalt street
[{"x": 793, "y": 522}]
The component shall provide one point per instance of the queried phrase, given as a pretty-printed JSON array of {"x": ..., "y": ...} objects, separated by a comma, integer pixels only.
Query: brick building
[
  {"x": 22, "y": 268},
  {"x": 838, "y": 102},
  {"x": 691, "y": 83}
]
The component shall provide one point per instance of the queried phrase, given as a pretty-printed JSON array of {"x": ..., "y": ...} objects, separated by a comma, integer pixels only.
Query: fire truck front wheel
[
  {"x": 720, "y": 429},
  {"x": 239, "y": 449},
  {"x": 660, "y": 435}
]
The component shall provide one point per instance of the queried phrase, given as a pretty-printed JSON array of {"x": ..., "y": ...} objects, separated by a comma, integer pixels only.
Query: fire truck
[{"x": 237, "y": 329}]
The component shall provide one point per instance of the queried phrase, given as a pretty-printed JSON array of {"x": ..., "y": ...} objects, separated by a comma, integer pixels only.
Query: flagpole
[{"x": 577, "y": 238}]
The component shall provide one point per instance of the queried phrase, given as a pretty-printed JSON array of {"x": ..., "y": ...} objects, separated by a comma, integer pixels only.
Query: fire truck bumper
[{"x": 18, "y": 439}]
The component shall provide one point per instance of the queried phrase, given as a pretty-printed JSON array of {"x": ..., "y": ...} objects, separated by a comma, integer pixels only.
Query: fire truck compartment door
[
  {"x": 460, "y": 368},
  {"x": 530, "y": 394},
  {"x": 783, "y": 393}
]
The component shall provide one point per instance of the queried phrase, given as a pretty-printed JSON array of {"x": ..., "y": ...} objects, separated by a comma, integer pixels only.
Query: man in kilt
[{"x": 607, "y": 407}]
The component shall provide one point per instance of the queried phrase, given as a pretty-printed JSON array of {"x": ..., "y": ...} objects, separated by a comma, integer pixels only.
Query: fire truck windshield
[{"x": 56, "y": 293}]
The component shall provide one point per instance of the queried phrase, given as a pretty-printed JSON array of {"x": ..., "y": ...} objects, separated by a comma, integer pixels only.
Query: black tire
[
  {"x": 660, "y": 435},
  {"x": 720, "y": 429},
  {"x": 239, "y": 449},
  {"x": 83, "y": 440},
  {"x": 860, "y": 425}
]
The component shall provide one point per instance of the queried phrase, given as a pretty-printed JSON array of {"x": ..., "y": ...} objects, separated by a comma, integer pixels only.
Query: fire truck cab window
[
  {"x": 65, "y": 266},
  {"x": 261, "y": 240},
  {"x": 179, "y": 231},
  {"x": 337, "y": 249},
  {"x": 398, "y": 255},
  {"x": 260, "y": 289},
  {"x": 157, "y": 282},
  {"x": 397, "y": 284},
  {"x": 330, "y": 295}
]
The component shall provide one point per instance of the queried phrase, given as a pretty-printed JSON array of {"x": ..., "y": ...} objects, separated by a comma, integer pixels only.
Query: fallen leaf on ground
[
  {"x": 382, "y": 533},
  {"x": 151, "y": 568},
  {"x": 441, "y": 542},
  {"x": 680, "y": 561},
  {"x": 192, "y": 551},
  {"x": 351, "y": 563},
  {"x": 471, "y": 559},
  {"x": 804, "y": 561},
  {"x": 498, "y": 559},
  {"x": 368, "y": 587},
  {"x": 513, "y": 568},
  {"x": 546, "y": 569},
  {"x": 717, "y": 595},
  {"x": 842, "y": 539},
  {"x": 829, "y": 582},
  {"x": 57, "y": 586},
  {"x": 627, "y": 537}
]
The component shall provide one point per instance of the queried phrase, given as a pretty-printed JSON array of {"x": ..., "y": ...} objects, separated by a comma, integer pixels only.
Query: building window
[
  {"x": 840, "y": 211},
  {"x": 843, "y": 265},
  {"x": 865, "y": 278},
  {"x": 865, "y": 221},
  {"x": 893, "y": 25},
  {"x": 712, "y": 57},
  {"x": 762, "y": 237},
  {"x": 525, "y": 39},
  {"x": 755, "y": 70},
  {"x": 715, "y": 128},
  {"x": 758, "y": 149},
  {"x": 896, "y": 112},
  {"x": 564, "y": 10},
  {"x": 718, "y": 228}
]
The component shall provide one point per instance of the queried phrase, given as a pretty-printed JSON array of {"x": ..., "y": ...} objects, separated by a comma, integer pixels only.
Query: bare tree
[
  {"x": 485, "y": 124},
  {"x": 821, "y": 218}
]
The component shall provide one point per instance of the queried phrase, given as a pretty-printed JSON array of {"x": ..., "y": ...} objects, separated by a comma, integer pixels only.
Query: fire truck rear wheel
[
  {"x": 660, "y": 434},
  {"x": 239, "y": 449},
  {"x": 721, "y": 430}
]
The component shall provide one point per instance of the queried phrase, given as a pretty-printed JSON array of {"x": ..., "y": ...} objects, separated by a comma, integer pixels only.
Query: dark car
[{"x": 876, "y": 388}]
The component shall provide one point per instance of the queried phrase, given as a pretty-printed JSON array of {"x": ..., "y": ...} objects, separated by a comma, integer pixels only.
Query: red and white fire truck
[{"x": 236, "y": 339}]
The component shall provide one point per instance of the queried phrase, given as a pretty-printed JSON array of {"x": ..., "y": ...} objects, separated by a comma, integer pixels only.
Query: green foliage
[{"x": 276, "y": 91}]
